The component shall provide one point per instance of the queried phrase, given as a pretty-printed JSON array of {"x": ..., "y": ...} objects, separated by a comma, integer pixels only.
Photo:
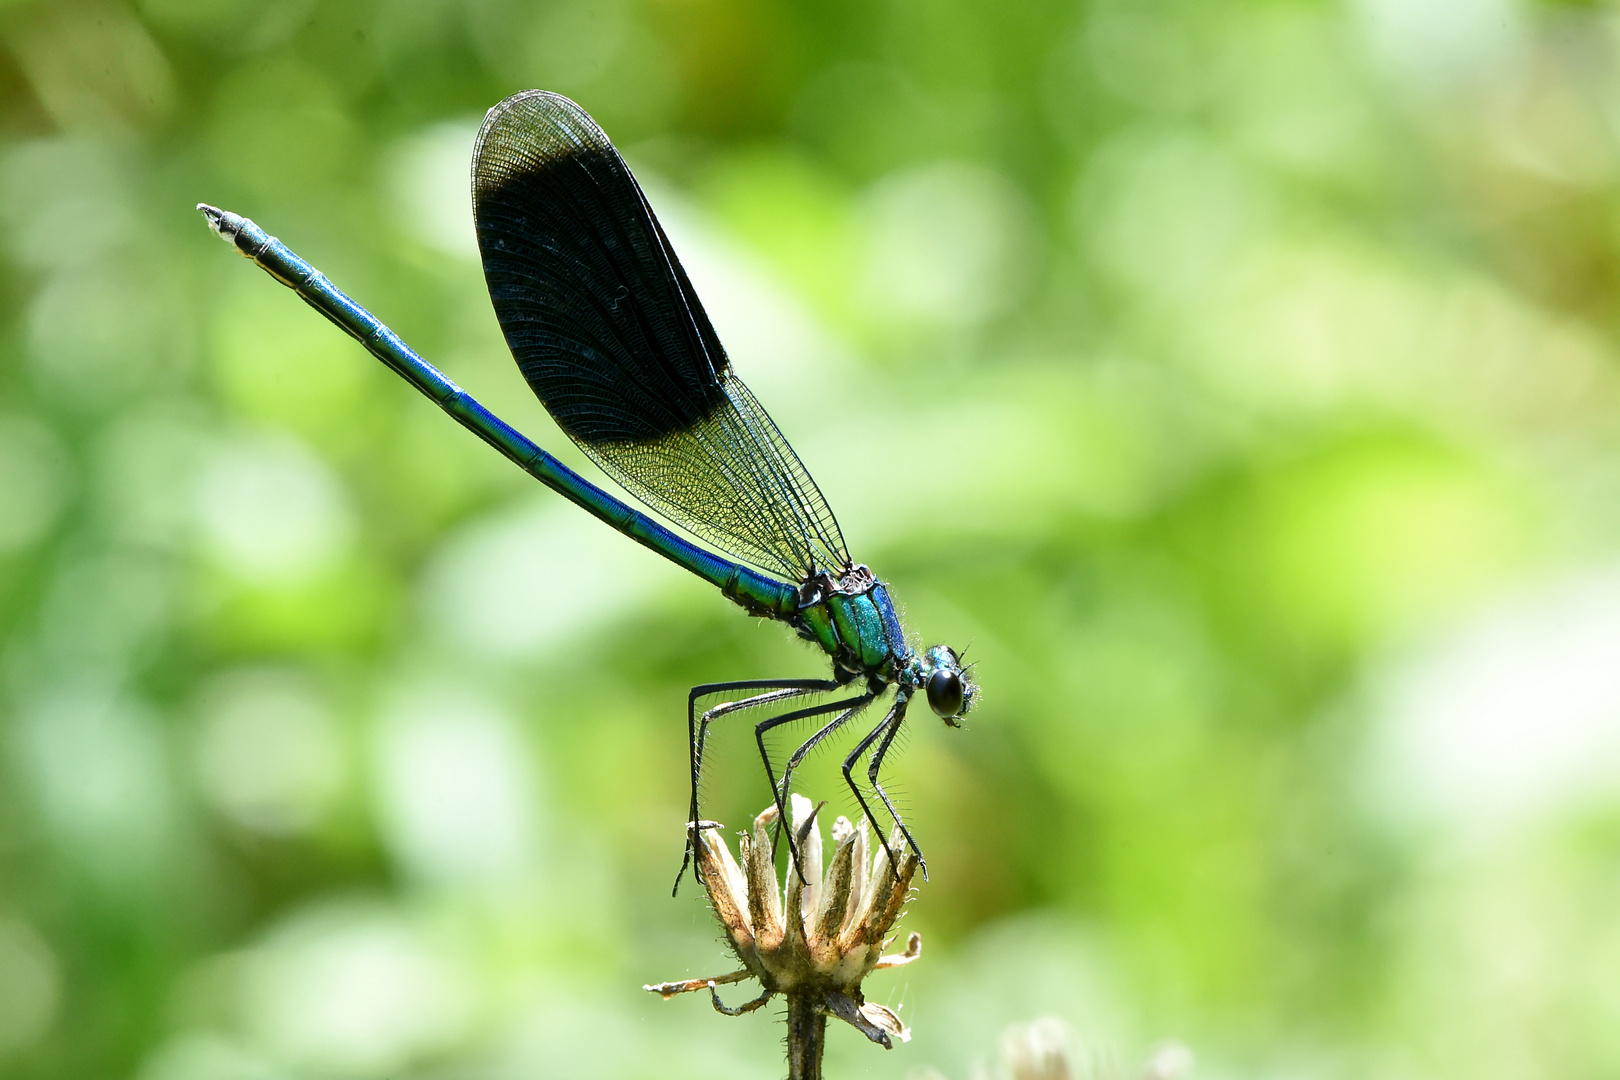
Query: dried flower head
[
  {"x": 816, "y": 943},
  {"x": 1037, "y": 1050},
  {"x": 1043, "y": 1049}
]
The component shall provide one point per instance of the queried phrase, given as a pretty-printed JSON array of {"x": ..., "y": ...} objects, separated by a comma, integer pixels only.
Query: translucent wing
[{"x": 609, "y": 334}]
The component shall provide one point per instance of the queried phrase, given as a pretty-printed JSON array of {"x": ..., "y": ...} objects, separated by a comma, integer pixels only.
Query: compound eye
[{"x": 945, "y": 693}]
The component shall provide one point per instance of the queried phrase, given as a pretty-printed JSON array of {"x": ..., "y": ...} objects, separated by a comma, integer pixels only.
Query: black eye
[{"x": 945, "y": 693}]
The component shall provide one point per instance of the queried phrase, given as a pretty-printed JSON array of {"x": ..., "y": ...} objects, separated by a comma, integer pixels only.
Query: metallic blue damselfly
[{"x": 610, "y": 335}]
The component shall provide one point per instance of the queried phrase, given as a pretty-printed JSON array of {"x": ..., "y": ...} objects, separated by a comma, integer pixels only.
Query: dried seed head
[
  {"x": 1043, "y": 1049},
  {"x": 820, "y": 935},
  {"x": 1037, "y": 1051}
]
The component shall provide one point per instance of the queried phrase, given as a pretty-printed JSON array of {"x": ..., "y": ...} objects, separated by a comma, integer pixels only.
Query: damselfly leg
[
  {"x": 798, "y": 756},
  {"x": 697, "y": 731},
  {"x": 886, "y": 729},
  {"x": 895, "y": 721},
  {"x": 856, "y": 704},
  {"x": 852, "y": 704}
]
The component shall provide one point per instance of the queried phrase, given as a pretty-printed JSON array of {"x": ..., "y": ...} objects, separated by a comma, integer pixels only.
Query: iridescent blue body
[
  {"x": 607, "y": 330},
  {"x": 758, "y": 594},
  {"x": 851, "y": 618}
]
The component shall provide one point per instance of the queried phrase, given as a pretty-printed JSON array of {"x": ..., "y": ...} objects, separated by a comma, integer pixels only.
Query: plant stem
[{"x": 806, "y": 1038}]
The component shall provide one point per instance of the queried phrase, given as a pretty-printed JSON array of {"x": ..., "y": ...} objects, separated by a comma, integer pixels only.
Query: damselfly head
[{"x": 950, "y": 691}]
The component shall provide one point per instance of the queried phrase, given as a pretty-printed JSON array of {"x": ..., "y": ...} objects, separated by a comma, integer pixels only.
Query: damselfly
[{"x": 609, "y": 333}]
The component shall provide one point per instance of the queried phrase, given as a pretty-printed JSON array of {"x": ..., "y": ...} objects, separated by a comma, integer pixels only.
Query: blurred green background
[{"x": 1236, "y": 381}]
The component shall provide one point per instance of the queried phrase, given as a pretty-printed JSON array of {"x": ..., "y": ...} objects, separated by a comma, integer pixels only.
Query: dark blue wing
[{"x": 609, "y": 333}]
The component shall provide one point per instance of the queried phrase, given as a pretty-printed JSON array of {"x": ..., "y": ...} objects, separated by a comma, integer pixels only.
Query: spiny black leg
[
  {"x": 776, "y": 791},
  {"x": 896, "y": 718},
  {"x": 781, "y": 693},
  {"x": 780, "y": 690},
  {"x": 798, "y": 756},
  {"x": 697, "y": 733},
  {"x": 849, "y": 763}
]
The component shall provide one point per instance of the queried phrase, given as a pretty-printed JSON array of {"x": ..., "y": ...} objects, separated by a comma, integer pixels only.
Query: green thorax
[{"x": 852, "y": 620}]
